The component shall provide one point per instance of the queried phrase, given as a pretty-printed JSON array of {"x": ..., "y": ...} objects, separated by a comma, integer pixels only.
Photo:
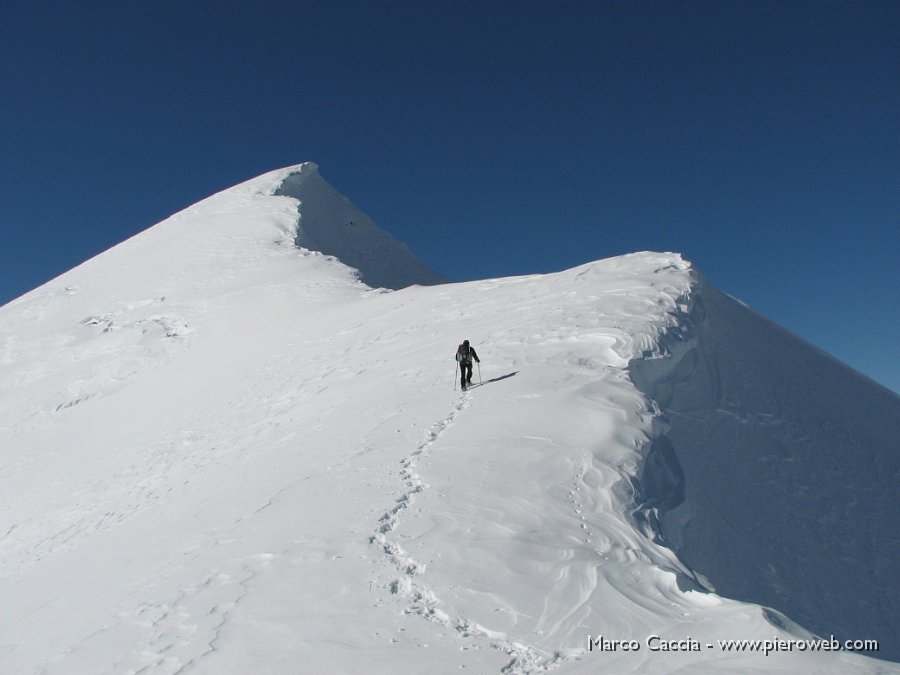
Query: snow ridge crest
[
  {"x": 330, "y": 223},
  {"x": 763, "y": 448}
]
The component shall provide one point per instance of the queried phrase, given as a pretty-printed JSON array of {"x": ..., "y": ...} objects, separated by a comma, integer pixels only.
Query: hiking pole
[
  {"x": 455, "y": 371},
  {"x": 479, "y": 372}
]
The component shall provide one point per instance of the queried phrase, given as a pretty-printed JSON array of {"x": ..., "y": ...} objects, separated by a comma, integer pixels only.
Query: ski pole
[{"x": 479, "y": 372}]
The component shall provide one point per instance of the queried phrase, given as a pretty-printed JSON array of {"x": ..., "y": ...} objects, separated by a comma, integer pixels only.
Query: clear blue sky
[{"x": 761, "y": 139}]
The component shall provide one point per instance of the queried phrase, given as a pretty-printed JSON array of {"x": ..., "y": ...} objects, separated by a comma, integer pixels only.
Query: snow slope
[
  {"x": 220, "y": 453},
  {"x": 330, "y": 223},
  {"x": 792, "y": 468}
]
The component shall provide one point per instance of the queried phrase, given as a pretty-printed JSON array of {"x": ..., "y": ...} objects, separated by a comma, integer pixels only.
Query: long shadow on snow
[{"x": 495, "y": 379}]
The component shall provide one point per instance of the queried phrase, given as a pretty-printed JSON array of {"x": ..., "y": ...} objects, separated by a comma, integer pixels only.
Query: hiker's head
[{"x": 466, "y": 343}]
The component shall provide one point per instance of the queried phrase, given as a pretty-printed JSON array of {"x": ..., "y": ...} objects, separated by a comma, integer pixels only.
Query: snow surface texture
[
  {"x": 792, "y": 468},
  {"x": 224, "y": 454},
  {"x": 330, "y": 223}
]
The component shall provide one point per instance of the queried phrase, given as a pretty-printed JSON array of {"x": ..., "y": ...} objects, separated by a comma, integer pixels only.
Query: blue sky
[{"x": 761, "y": 139}]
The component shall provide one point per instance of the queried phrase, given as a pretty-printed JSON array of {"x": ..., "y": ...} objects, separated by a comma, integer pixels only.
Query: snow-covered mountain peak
[
  {"x": 220, "y": 452},
  {"x": 330, "y": 223}
]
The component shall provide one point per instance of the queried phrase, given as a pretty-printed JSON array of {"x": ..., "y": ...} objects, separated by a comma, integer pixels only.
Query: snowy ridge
[
  {"x": 330, "y": 223},
  {"x": 225, "y": 454},
  {"x": 772, "y": 457}
]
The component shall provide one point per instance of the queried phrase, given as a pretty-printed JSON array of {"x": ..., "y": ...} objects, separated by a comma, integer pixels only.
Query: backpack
[{"x": 462, "y": 354}]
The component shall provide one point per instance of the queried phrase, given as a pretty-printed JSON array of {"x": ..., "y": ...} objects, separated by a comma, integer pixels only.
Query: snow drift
[
  {"x": 777, "y": 470},
  {"x": 222, "y": 452}
]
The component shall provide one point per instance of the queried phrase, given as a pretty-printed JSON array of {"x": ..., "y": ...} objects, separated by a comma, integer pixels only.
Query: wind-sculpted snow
[
  {"x": 330, "y": 223},
  {"x": 220, "y": 453},
  {"x": 780, "y": 472}
]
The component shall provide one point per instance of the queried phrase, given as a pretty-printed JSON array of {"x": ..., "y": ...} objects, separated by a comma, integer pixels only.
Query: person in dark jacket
[{"x": 465, "y": 354}]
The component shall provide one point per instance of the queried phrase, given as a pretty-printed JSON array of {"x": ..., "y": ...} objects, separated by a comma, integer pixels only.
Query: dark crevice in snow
[
  {"x": 773, "y": 472},
  {"x": 662, "y": 478}
]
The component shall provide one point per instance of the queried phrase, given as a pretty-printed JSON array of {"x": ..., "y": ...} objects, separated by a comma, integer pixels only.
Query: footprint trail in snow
[{"x": 422, "y": 601}]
